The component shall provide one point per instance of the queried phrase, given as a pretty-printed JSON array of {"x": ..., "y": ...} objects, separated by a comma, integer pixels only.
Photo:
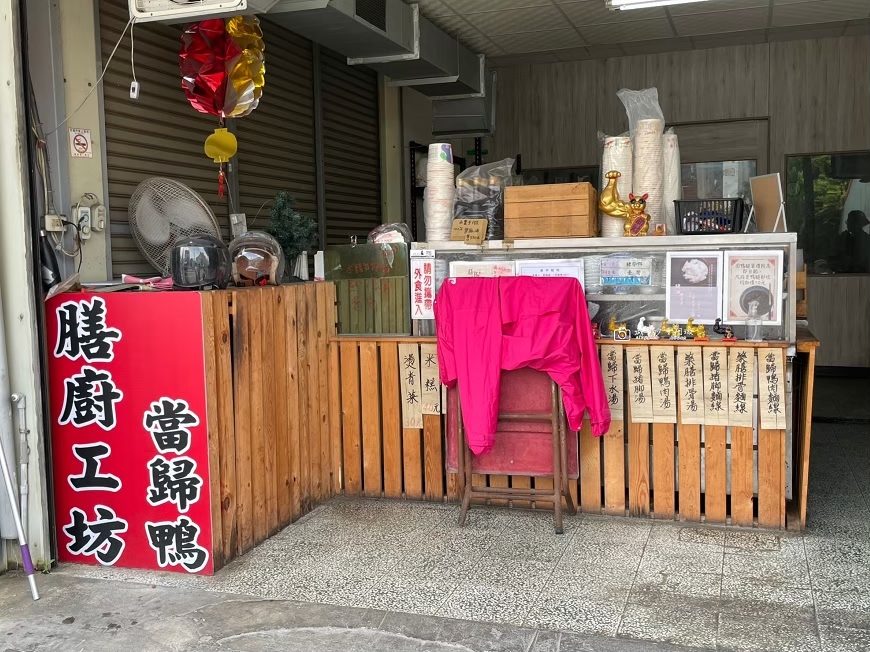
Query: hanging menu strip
[
  {"x": 640, "y": 394},
  {"x": 409, "y": 377},
  {"x": 691, "y": 378},
  {"x": 430, "y": 379},
  {"x": 715, "y": 386},
  {"x": 741, "y": 371},
  {"x": 771, "y": 390},
  {"x": 664, "y": 384},
  {"x": 611, "y": 369}
]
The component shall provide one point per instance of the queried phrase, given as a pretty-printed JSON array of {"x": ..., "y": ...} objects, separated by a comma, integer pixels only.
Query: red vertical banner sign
[{"x": 129, "y": 430}]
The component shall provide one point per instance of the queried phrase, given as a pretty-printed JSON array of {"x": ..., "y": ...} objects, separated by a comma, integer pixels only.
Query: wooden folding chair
[{"x": 557, "y": 420}]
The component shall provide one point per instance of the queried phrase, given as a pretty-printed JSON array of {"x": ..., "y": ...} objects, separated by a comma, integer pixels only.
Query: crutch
[{"x": 25, "y": 551}]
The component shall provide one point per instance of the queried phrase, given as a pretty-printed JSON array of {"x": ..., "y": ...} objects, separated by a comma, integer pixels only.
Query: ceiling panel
[
  {"x": 572, "y": 54},
  {"x": 539, "y": 41},
  {"x": 719, "y": 22},
  {"x": 594, "y": 12},
  {"x": 450, "y": 23},
  {"x": 716, "y": 5},
  {"x": 517, "y": 21},
  {"x": 478, "y": 6},
  {"x": 636, "y": 30},
  {"x": 431, "y": 8},
  {"x": 480, "y": 44},
  {"x": 810, "y": 13}
]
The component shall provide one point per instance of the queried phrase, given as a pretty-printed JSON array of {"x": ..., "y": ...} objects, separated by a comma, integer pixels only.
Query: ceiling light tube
[{"x": 645, "y": 4}]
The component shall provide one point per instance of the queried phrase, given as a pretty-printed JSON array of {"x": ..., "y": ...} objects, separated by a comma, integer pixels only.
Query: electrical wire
[
  {"x": 132, "y": 65},
  {"x": 98, "y": 82},
  {"x": 258, "y": 211}
]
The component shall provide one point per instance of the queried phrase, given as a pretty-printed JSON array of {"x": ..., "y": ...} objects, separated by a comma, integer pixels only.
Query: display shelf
[
  {"x": 771, "y": 344},
  {"x": 594, "y": 298}
]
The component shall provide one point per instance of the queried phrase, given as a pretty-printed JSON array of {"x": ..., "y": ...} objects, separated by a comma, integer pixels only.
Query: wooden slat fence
[
  {"x": 718, "y": 474},
  {"x": 271, "y": 409}
]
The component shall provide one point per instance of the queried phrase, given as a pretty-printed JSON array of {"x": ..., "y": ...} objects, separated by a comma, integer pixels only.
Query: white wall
[{"x": 19, "y": 297}]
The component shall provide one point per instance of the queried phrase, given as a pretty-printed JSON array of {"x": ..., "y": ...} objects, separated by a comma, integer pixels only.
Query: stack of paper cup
[
  {"x": 440, "y": 193},
  {"x": 617, "y": 156},
  {"x": 673, "y": 186},
  {"x": 649, "y": 167}
]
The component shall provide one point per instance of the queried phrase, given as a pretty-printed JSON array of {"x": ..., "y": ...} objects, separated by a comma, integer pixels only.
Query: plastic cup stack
[
  {"x": 649, "y": 168},
  {"x": 440, "y": 193},
  {"x": 617, "y": 156}
]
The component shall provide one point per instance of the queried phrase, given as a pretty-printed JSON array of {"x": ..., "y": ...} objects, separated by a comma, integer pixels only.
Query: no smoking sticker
[{"x": 80, "y": 143}]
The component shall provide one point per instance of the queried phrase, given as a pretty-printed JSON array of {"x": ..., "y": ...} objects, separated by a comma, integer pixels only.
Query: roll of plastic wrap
[
  {"x": 673, "y": 186},
  {"x": 648, "y": 171},
  {"x": 440, "y": 192},
  {"x": 617, "y": 156}
]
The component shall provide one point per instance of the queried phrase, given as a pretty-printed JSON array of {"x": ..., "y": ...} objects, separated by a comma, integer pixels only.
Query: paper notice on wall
[
  {"x": 639, "y": 392},
  {"x": 430, "y": 379},
  {"x": 715, "y": 386},
  {"x": 422, "y": 284},
  {"x": 664, "y": 384},
  {"x": 741, "y": 371},
  {"x": 410, "y": 382},
  {"x": 771, "y": 389},
  {"x": 612, "y": 370},
  {"x": 691, "y": 378}
]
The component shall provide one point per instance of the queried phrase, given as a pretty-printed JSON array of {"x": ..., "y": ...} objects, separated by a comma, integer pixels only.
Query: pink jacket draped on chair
[{"x": 486, "y": 325}]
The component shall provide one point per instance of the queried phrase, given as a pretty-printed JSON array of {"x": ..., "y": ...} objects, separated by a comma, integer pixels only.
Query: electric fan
[{"x": 163, "y": 211}]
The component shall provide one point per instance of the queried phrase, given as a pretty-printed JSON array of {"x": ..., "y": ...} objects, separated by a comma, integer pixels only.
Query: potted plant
[{"x": 294, "y": 231}]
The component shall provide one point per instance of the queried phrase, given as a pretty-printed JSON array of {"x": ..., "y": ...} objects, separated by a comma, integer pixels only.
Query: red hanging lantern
[{"x": 223, "y": 74}]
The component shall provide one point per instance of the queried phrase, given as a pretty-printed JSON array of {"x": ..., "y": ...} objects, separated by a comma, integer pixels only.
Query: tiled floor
[{"x": 693, "y": 585}]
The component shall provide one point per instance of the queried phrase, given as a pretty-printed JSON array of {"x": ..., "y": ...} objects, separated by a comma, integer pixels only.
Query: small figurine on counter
[
  {"x": 724, "y": 330},
  {"x": 645, "y": 331},
  {"x": 698, "y": 333},
  {"x": 596, "y": 331},
  {"x": 620, "y": 331},
  {"x": 674, "y": 332}
]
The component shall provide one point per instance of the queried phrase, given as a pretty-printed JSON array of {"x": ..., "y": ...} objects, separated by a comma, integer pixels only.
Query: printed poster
[
  {"x": 694, "y": 286},
  {"x": 129, "y": 430},
  {"x": 753, "y": 277},
  {"x": 543, "y": 268}
]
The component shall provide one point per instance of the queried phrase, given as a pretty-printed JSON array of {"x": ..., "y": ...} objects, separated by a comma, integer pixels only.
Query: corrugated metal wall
[
  {"x": 159, "y": 134},
  {"x": 351, "y": 153},
  {"x": 276, "y": 142}
]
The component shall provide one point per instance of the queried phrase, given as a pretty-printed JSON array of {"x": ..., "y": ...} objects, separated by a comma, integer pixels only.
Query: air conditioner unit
[{"x": 173, "y": 11}]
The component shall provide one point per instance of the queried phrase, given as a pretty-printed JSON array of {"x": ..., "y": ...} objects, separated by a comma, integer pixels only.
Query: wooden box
[{"x": 561, "y": 210}]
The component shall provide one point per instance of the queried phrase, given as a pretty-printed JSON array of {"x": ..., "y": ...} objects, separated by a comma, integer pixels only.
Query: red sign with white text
[{"x": 129, "y": 431}]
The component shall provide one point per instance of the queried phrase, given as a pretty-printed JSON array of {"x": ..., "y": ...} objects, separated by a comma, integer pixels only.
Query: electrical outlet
[
  {"x": 83, "y": 219},
  {"x": 98, "y": 218},
  {"x": 134, "y": 90},
  {"x": 54, "y": 223}
]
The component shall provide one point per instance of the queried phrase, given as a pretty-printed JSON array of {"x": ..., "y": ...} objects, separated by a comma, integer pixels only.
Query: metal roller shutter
[
  {"x": 276, "y": 141},
  {"x": 351, "y": 154},
  {"x": 159, "y": 134}
]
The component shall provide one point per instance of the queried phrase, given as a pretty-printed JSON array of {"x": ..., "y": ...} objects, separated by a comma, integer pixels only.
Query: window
[
  {"x": 719, "y": 180},
  {"x": 827, "y": 204}
]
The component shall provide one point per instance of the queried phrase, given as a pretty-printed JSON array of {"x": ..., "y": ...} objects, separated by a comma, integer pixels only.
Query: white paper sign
[
  {"x": 482, "y": 269},
  {"x": 771, "y": 389},
  {"x": 611, "y": 369},
  {"x": 80, "y": 143},
  {"x": 690, "y": 373},
  {"x": 741, "y": 373},
  {"x": 551, "y": 268},
  {"x": 422, "y": 284},
  {"x": 409, "y": 380},
  {"x": 431, "y": 379},
  {"x": 716, "y": 386},
  {"x": 640, "y": 395},
  {"x": 664, "y": 384}
]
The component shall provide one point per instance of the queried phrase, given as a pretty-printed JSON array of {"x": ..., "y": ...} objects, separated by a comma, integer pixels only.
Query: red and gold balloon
[{"x": 223, "y": 74}]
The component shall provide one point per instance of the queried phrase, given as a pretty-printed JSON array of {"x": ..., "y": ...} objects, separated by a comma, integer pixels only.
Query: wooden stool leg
[
  {"x": 464, "y": 460},
  {"x": 557, "y": 459},
  {"x": 563, "y": 445}
]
